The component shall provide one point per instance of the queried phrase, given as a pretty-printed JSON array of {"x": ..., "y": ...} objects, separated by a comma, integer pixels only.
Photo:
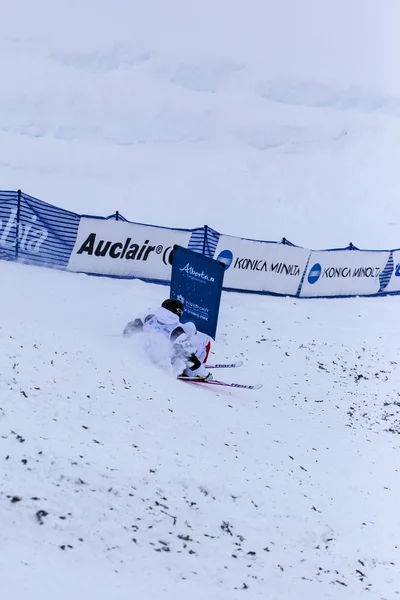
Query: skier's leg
[
  {"x": 193, "y": 349},
  {"x": 197, "y": 368},
  {"x": 207, "y": 348},
  {"x": 202, "y": 347},
  {"x": 200, "y": 372}
]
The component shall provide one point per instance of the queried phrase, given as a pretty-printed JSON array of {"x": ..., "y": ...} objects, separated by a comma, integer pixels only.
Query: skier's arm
[{"x": 135, "y": 326}]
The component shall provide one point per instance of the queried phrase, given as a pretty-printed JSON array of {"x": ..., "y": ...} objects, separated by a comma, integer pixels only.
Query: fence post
[
  {"x": 17, "y": 227},
  {"x": 205, "y": 239},
  {"x": 117, "y": 215}
]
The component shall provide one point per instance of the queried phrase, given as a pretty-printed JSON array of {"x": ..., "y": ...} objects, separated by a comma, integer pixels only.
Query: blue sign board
[{"x": 197, "y": 280}]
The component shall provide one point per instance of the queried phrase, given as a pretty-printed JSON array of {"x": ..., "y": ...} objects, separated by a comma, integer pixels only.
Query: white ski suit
[{"x": 189, "y": 345}]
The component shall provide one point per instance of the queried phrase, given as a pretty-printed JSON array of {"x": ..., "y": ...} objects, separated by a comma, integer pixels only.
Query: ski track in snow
[{"x": 116, "y": 473}]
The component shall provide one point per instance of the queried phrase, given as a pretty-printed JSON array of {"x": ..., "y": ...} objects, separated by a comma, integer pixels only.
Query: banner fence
[{"x": 35, "y": 232}]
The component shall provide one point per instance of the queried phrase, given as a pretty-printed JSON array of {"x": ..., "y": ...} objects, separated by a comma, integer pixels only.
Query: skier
[{"x": 188, "y": 345}]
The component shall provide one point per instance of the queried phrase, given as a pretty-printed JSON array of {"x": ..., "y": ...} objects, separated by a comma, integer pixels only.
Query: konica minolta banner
[
  {"x": 124, "y": 249},
  {"x": 261, "y": 266},
  {"x": 344, "y": 273}
]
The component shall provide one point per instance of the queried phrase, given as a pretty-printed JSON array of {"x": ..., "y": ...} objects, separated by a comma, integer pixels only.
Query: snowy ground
[{"x": 117, "y": 479}]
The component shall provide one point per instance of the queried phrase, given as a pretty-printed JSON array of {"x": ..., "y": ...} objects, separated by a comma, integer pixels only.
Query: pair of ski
[{"x": 256, "y": 386}]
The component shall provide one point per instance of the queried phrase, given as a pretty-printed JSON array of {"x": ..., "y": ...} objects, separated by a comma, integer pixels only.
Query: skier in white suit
[{"x": 188, "y": 345}]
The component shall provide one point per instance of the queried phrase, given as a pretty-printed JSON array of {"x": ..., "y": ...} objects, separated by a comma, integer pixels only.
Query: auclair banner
[
  {"x": 261, "y": 266},
  {"x": 125, "y": 249},
  {"x": 344, "y": 273}
]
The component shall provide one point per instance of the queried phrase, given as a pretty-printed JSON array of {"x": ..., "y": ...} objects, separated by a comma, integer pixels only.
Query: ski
[
  {"x": 242, "y": 386},
  {"x": 225, "y": 365}
]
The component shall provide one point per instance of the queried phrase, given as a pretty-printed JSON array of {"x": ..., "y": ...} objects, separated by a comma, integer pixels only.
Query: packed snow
[
  {"x": 262, "y": 120},
  {"x": 117, "y": 478}
]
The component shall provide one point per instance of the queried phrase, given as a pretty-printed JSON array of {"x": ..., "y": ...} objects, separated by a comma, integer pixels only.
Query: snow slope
[
  {"x": 261, "y": 119},
  {"x": 155, "y": 488}
]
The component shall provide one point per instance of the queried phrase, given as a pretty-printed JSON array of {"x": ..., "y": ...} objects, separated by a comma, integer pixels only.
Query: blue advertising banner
[
  {"x": 38, "y": 233},
  {"x": 46, "y": 233},
  {"x": 197, "y": 281}
]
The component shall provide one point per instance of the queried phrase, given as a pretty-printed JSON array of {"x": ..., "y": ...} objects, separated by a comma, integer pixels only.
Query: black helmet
[{"x": 173, "y": 305}]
